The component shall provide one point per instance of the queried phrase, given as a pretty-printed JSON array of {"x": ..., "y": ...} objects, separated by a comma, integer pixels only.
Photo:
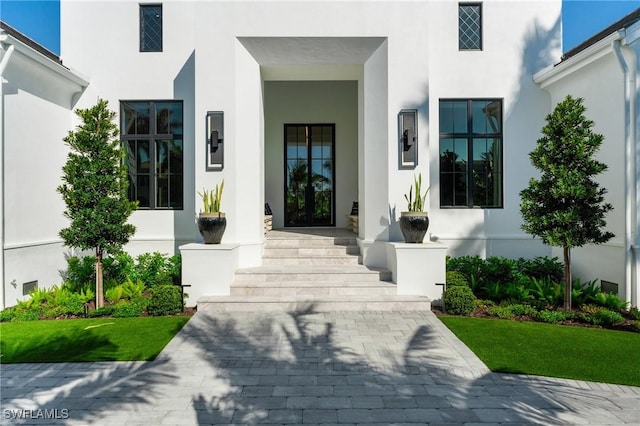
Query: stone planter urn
[
  {"x": 212, "y": 227},
  {"x": 414, "y": 226},
  {"x": 415, "y": 222}
]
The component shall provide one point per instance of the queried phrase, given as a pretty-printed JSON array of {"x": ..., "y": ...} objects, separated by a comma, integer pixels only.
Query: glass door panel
[{"x": 309, "y": 175}]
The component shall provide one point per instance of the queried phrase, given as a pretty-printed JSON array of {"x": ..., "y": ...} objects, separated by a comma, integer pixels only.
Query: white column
[{"x": 373, "y": 173}]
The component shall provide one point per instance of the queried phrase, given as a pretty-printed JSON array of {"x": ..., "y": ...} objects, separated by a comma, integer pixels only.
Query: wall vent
[
  {"x": 608, "y": 287},
  {"x": 29, "y": 287}
]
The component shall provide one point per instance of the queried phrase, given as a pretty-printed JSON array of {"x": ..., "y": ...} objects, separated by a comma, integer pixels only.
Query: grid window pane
[
  {"x": 470, "y": 27},
  {"x": 151, "y": 28},
  {"x": 453, "y": 117},
  {"x": 169, "y": 118},
  {"x": 135, "y": 118},
  {"x": 487, "y": 117},
  {"x": 155, "y": 163},
  {"x": 471, "y": 161}
]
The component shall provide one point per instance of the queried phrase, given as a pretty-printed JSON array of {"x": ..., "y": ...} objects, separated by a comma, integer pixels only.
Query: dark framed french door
[{"x": 309, "y": 175}]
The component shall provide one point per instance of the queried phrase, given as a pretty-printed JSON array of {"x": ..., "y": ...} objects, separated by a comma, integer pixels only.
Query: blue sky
[{"x": 40, "y": 19}]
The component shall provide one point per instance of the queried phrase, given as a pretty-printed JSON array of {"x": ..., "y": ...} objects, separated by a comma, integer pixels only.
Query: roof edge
[
  {"x": 29, "y": 42},
  {"x": 616, "y": 26},
  {"x": 593, "y": 52},
  {"x": 40, "y": 54}
]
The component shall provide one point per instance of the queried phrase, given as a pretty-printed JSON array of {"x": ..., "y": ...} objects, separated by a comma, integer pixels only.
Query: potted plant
[
  {"x": 415, "y": 222},
  {"x": 212, "y": 222}
]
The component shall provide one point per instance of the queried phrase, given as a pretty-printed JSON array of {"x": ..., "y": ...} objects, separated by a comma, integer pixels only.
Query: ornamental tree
[
  {"x": 565, "y": 207},
  {"x": 94, "y": 188}
]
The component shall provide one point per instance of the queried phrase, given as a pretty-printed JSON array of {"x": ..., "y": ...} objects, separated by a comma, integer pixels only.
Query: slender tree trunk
[
  {"x": 567, "y": 278},
  {"x": 99, "y": 290}
]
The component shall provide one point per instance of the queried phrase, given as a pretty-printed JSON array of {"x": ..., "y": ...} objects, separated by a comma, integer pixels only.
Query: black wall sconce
[
  {"x": 408, "y": 138},
  {"x": 215, "y": 139}
]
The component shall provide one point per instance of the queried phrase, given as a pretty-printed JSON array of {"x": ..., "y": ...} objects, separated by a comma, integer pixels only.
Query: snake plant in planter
[
  {"x": 212, "y": 222},
  {"x": 415, "y": 222}
]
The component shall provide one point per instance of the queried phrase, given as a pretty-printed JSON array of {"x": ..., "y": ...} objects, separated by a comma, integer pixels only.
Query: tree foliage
[
  {"x": 565, "y": 207},
  {"x": 94, "y": 188}
]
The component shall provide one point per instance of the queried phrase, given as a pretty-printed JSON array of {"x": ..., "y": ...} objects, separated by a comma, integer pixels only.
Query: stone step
[
  {"x": 312, "y": 241},
  {"x": 317, "y": 304},
  {"x": 313, "y": 289},
  {"x": 311, "y": 251},
  {"x": 310, "y": 260},
  {"x": 335, "y": 273}
]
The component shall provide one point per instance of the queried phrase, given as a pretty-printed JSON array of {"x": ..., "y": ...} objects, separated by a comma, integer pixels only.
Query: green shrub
[
  {"x": 553, "y": 317},
  {"x": 470, "y": 266},
  {"x": 501, "y": 278},
  {"x": 523, "y": 310},
  {"x": 493, "y": 291},
  {"x": 175, "y": 268},
  {"x": 611, "y": 301},
  {"x": 81, "y": 272},
  {"x": 546, "y": 292},
  {"x": 484, "y": 303},
  {"x": 516, "y": 292},
  {"x": 102, "y": 312},
  {"x": 150, "y": 268},
  {"x": 7, "y": 314},
  {"x": 634, "y": 313},
  {"x": 459, "y": 300},
  {"x": 167, "y": 300},
  {"x": 129, "y": 308},
  {"x": 66, "y": 301},
  {"x": 119, "y": 267},
  {"x": 601, "y": 316},
  {"x": 456, "y": 278},
  {"x": 541, "y": 267},
  {"x": 501, "y": 270},
  {"x": 582, "y": 294},
  {"x": 29, "y": 314},
  {"x": 155, "y": 269},
  {"x": 114, "y": 294},
  {"x": 132, "y": 289},
  {"x": 502, "y": 312}
]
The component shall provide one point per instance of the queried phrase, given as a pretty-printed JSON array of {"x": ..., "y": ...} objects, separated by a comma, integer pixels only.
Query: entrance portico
[{"x": 348, "y": 78}]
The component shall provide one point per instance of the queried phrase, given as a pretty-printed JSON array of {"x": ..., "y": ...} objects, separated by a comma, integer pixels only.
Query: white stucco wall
[
  {"x": 37, "y": 97},
  {"x": 218, "y": 54},
  {"x": 118, "y": 71},
  {"x": 519, "y": 39}
]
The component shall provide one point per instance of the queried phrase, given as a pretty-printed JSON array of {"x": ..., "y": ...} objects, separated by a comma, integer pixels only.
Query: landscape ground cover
[
  {"x": 87, "y": 340},
  {"x": 581, "y": 353}
]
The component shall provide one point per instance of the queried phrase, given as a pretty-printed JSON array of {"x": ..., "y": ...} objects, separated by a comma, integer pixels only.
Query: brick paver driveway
[{"x": 311, "y": 368}]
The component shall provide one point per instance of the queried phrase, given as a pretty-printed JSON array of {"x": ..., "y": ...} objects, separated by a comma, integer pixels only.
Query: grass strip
[
  {"x": 87, "y": 340},
  {"x": 590, "y": 354}
]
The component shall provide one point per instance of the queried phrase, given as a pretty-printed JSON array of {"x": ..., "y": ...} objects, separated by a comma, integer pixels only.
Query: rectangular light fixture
[{"x": 215, "y": 140}]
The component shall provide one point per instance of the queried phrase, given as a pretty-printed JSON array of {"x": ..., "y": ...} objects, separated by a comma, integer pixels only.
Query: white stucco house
[{"x": 281, "y": 97}]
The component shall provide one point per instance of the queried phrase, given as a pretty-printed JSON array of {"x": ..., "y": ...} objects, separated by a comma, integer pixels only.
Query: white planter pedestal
[{"x": 416, "y": 268}]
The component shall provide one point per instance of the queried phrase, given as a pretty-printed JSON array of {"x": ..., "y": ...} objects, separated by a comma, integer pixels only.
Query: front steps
[{"x": 314, "y": 269}]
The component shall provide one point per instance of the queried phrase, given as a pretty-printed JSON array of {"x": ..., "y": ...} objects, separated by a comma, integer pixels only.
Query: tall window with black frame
[
  {"x": 471, "y": 153},
  {"x": 152, "y": 136}
]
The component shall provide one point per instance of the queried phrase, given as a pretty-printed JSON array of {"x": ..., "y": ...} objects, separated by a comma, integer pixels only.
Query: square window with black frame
[
  {"x": 151, "y": 28},
  {"x": 470, "y": 26}
]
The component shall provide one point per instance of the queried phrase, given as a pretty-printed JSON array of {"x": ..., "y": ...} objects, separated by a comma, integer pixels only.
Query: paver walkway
[{"x": 312, "y": 368}]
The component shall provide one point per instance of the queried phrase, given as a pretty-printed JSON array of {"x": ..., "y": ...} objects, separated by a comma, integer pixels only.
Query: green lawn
[
  {"x": 78, "y": 340},
  {"x": 551, "y": 350}
]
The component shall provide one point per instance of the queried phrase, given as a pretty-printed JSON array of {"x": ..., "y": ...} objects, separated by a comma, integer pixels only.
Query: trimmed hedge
[
  {"x": 459, "y": 300},
  {"x": 165, "y": 300}
]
